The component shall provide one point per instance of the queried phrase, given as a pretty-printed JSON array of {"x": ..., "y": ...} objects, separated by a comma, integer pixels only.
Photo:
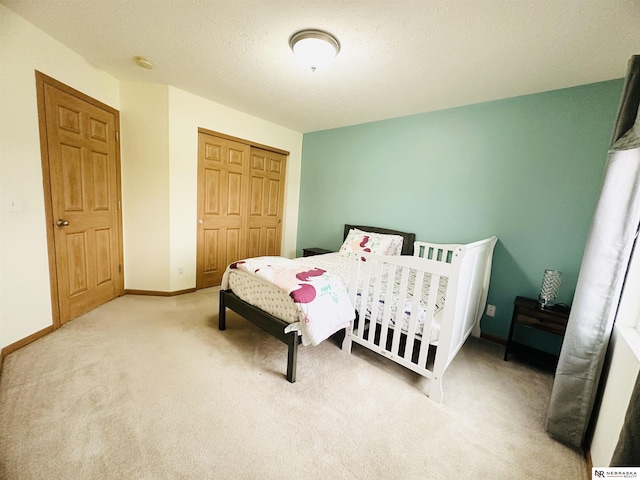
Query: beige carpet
[{"x": 148, "y": 388}]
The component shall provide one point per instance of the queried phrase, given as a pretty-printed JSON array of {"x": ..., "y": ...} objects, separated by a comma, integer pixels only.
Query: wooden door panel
[
  {"x": 232, "y": 246},
  {"x": 103, "y": 248},
  {"x": 83, "y": 173},
  {"x": 271, "y": 240},
  {"x": 72, "y": 186},
  {"x": 98, "y": 130},
  {"x": 237, "y": 155},
  {"x": 68, "y": 119},
  {"x": 255, "y": 243},
  {"x": 76, "y": 254},
  {"x": 100, "y": 181},
  {"x": 217, "y": 251},
  {"x": 212, "y": 191},
  {"x": 258, "y": 161},
  {"x": 211, "y": 251},
  {"x": 263, "y": 241},
  {"x": 273, "y": 199},
  {"x": 234, "y": 195},
  {"x": 276, "y": 166},
  {"x": 212, "y": 151},
  {"x": 257, "y": 196},
  {"x": 267, "y": 196},
  {"x": 222, "y": 166}
]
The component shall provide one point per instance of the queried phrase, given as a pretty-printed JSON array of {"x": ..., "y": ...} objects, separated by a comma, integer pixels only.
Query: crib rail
[
  {"x": 430, "y": 335},
  {"x": 383, "y": 288}
]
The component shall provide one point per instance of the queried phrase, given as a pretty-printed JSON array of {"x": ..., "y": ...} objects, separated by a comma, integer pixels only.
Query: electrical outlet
[
  {"x": 180, "y": 272},
  {"x": 491, "y": 310}
]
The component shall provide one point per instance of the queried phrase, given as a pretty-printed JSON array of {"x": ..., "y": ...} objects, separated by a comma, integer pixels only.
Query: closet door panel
[
  {"x": 267, "y": 199},
  {"x": 223, "y": 166}
]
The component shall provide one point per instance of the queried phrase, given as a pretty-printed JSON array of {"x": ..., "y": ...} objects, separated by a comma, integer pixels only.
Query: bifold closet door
[
  {"x": 223, "y": 167},
  {"x": 266, "y": 197}
]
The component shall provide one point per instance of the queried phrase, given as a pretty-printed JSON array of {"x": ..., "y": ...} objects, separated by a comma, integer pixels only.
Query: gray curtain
[
  {"x": 627, "y": 452},
  {"x": 602, "y": 273}
]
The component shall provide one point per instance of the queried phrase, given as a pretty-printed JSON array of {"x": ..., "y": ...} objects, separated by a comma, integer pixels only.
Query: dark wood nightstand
[
  {"x": 310, "y": 252},
  {"x": 527, "y": 312}
]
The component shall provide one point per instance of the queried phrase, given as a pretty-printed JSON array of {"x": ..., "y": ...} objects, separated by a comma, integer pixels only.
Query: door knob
[
  {"x": 62, "y": 223},
  {"x": 200, "y": 221}
]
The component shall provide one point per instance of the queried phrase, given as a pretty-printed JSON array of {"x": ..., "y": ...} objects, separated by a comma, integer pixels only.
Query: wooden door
[
  {"x": 266, "y": 194},
  {"x": 223, "y": 166},
  {"x": 81, "y": 164}
]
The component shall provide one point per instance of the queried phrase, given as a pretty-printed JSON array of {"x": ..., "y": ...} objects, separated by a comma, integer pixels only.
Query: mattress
[{"x": 278, "y": 303}]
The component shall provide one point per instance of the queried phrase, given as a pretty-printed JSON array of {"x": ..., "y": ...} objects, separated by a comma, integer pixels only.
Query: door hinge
[
  {"x": 117, "y": 136},
  {"x": 119, "y": 268},
  {"x": 119, "y": 205}
]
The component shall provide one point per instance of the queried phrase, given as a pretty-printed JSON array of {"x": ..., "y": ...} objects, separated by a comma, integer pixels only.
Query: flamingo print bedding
[{"x": 321, "y": 300}]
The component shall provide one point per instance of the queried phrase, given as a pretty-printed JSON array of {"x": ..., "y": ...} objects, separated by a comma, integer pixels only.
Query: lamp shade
[
  {"x": 550, "y": 286},
  {"x": 314, "y": 48}
]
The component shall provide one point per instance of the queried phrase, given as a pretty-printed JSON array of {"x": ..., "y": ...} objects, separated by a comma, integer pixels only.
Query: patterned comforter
[{"x": 321, "y": 299}]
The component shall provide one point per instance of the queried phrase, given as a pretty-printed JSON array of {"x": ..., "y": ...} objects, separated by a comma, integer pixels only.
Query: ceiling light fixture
[
  {"x": 143, "y": 62},
  {"x": 314, "y": 48}
]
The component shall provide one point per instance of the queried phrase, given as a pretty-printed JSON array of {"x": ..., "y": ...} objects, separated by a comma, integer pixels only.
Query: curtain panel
[{"x": 600, "y": 282}]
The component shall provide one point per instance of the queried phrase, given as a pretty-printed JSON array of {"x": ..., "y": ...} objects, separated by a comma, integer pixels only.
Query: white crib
[{"x": 401, "y": 282}]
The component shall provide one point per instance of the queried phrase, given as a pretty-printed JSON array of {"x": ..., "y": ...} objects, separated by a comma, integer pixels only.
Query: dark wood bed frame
[{"x": 276, "y": 326}]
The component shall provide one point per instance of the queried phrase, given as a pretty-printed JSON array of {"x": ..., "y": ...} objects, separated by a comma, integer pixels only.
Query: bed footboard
[{"x": 269, "y": 323}]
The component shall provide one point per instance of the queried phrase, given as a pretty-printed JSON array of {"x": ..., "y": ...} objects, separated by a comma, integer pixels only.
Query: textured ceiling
[{"x": 397, "y": 58}]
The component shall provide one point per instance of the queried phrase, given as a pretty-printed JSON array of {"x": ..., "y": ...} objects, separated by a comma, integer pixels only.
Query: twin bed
[{"x": 413, "y": 302}]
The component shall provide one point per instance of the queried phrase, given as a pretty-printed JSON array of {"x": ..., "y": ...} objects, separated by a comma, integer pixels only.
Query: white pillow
[
  {"x": 396, "y": 245},
  {"x": 378, "y": 243}
]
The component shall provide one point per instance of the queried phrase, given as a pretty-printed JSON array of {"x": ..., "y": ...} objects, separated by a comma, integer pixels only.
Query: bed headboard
[{"x": 407, "y": 242}]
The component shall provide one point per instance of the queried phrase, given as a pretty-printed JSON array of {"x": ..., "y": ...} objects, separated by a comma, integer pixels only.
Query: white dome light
[{"x": 314, "y": 48}]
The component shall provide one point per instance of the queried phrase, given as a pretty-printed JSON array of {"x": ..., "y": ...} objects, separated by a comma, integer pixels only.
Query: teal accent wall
[{"x": 527, "y": 169}]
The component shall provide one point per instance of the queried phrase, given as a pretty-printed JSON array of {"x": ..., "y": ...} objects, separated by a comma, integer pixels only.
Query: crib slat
[
  {"x": 402, "y": 298},
  {"x": 377, "y": 293},
  {"x": 413, "y": 317},
  {"x": 428, "y": 324},
  {"x": 367, "y": 275},
  {"x": 388, "y": 300},
  {"x": 356, "y": 266}
]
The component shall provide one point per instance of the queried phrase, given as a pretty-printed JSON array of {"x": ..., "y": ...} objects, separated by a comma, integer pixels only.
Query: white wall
[
  {"x": 25, "y": 297},
  {"x": 144, "y": 146}
]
